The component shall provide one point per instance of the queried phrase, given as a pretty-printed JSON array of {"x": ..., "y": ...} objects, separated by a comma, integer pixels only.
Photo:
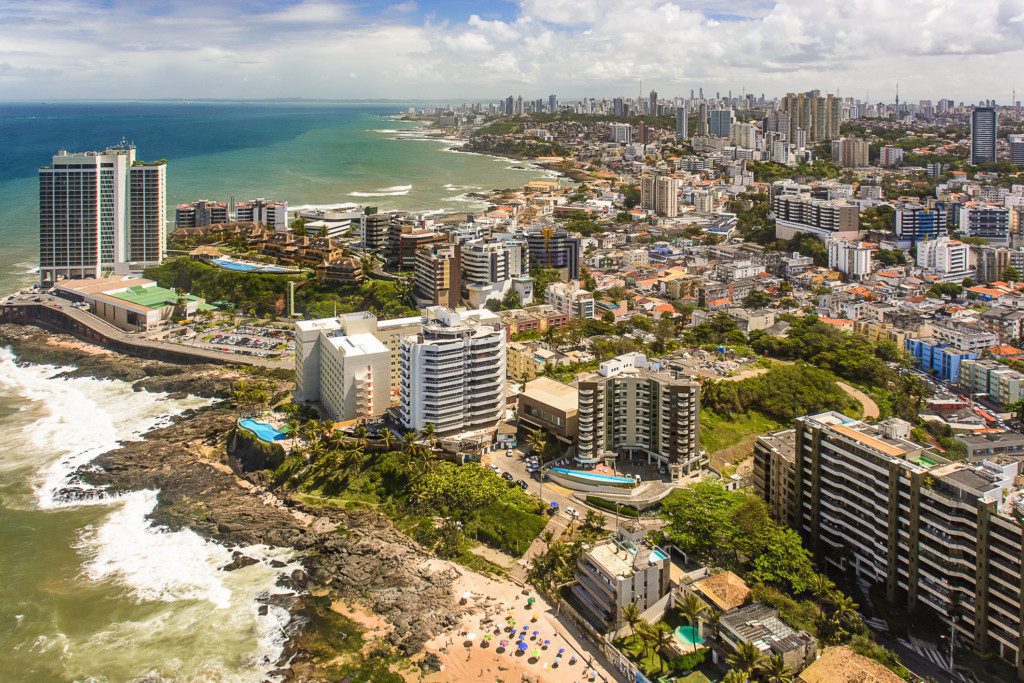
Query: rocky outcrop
[{"x": 249, "y": 453}]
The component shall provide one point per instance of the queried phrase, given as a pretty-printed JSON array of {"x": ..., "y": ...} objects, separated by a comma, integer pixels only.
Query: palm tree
[
  {"x": 594, "y": 520},
  {"x": 546, "y": 537},
  {"x": 631, "y": 615},
  {"x": 746, "y": 658},
  {"x": 361, "y": 435},
  {"x": 428, "y": 433},
  {"x": 844, "y": 611},
  {"x": 388, "y": 437},
  {"x": 774, "y": 669},
  {"x": 537, "y": 440},
  {"x": 692, "y": 608},
  {"x": 735, "y": 676},
  {"x": 821, "y": 588},
  {"x": 293, "y": 426},
  {"x": 663, "y": 637},
  {"x": 645, "y": 632}
]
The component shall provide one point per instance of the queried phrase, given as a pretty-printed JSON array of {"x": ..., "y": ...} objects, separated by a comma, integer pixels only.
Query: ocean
[
  {"x": 94, "y": 591},
  {"x": 320, "y": 154}
]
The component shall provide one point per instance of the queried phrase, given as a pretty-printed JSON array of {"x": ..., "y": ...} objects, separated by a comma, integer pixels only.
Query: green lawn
[
  {"x": 718, "y": 433},
  {"x": 648, "y": 659}
]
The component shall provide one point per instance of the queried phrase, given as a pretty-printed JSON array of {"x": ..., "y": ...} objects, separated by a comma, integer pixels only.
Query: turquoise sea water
[
  {"x": 305, "y": 153},
  {"x": 94, "y": 591}
]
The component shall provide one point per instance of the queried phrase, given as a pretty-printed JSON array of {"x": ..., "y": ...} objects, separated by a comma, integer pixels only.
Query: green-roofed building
[{"x": 131, "y": 303}]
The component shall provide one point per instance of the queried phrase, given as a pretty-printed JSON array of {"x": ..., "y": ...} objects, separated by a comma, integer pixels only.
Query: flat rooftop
[
  {"x": 358, "y": 344},
  {"x": 619, "y": 560},
  {"x": 151, "y": 297},
  {"x": 553, "y": 393}
]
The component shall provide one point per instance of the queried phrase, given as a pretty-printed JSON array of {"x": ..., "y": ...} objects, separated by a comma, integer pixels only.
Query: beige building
[
  {"x": 526, "y": 360},
  {"x": 774, "y": 463},
  {"x": 551, "y": 406},
  {"x": 629, "y": 406}
]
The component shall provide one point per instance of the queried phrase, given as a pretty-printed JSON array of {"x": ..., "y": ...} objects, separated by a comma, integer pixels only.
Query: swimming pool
[
  {"x": 228, "y": 264},
  {"x": 658, "y": 555},
  {"x": 594, "y": 476},
  {"x": 262, "y": 430},
  {"x": 689, "y": 636}
]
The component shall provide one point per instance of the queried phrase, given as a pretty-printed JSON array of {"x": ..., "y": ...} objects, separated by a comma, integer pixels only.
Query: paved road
[{"x": 102, "y": 327}]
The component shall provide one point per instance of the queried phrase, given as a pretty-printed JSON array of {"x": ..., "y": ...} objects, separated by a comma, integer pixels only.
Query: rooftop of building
[
  {"x": 617, "y": 558},
  {"x": 760, "y": 625},
  {"x": 843, "y": 665},
  {"x": 784, "y": 442},
  {"x": 725, "y": 590},
  {"x": 883, "y": 438},
  {"x": 552, "y": 393},
  {"x": 359, "y": 344},
  {"x": 151, "y": 296}
]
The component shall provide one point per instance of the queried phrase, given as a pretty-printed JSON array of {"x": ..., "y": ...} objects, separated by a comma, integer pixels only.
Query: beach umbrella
[
  {"x": 536, "y": 652},
  {"x": 561, "y": 650},
  {"x": 523, "y": 647},
  {"x": 470, "y": 636},
  {"x": 529, "y": 603}
]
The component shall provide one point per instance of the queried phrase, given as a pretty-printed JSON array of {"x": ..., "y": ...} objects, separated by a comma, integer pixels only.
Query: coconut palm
[
  {"x": 645, "y": 632},
  {"x": 594, "y": 521},
  {"x": 547, "y": 536},
  {"x": 428, "y": 433},
  {"x": 821, "y": 588},
  {"x": 388, "y": 437},
  {"x": 293, "y": 426},
  {"x": 746, "y": 658},
  {"x": 631, "y": 615},
  {"x": 662, "y": 637},
  {"x": 734, "y": 676},
  {"x": 361, "y": 436},
  {"x": 537, "y": 440},
  {"x": 774, "y": 669},
  {"x": 692, "y": 608}
]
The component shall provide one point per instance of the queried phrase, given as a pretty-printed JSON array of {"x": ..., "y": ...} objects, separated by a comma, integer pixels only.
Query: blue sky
[{"x": 135, "y": 49}]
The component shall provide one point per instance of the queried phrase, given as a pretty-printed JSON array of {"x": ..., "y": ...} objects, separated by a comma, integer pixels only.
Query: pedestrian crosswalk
[{"x": 932, "y": 654}]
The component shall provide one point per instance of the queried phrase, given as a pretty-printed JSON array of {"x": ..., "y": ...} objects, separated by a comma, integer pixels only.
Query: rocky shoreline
[{"x": 355, "y": 556}]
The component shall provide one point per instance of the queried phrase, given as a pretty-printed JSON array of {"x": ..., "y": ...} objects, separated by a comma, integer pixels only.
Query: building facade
[
  {"x": 823, "y": 218},
  {"x": 100, "y": 213},
  {"x": 984, "y": 121},
  {"x": 630, "y": 406},
  {"x": 453, "y": 373}
]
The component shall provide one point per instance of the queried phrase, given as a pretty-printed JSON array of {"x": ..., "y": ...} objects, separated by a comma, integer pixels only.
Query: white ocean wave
[
  {"x": 383, "y": 130},
  {"x": 393, "y": 191},
  {"x": 340, "y": 206},
  {"x": 153, "y": 565},
  {"x": 464, "y": 199},
  {"x": 461, "y": 188}
]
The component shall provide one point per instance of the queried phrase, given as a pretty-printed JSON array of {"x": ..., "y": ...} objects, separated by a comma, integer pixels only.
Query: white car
[
  {"x": 497, "y": 470},
  {"x": 572, "y": 512}
]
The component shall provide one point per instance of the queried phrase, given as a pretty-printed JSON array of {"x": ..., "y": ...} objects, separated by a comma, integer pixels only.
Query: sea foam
[
  {"x": 393, "y": 191},
  {"x": 150, "y": 563}
]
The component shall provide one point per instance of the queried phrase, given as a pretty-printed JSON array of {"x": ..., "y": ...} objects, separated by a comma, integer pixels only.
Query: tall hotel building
[
  {"x": 453, "y": 372},
  {"x": 937, "y": 534},
  {"x": 629, "y": 406},
  {"x": 983, "y": 135},
  {"x": 101, "y": 213}
]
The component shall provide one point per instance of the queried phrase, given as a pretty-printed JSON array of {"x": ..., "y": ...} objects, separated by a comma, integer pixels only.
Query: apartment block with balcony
[
  {"x": 617, "y": 572},
  {"x": 452, "y": 373},
  {"x": 630, "y": 406},
  {"x": 938, "y": 359},
  {"x": 993, "y": 379},
  {"x": 774, "y": 473},
  {"x": 437, "y": 276},
  {"x": 823, "y": 218},
  {"x": 571, "y": 299},
  {"x": 937, "y": 534}
]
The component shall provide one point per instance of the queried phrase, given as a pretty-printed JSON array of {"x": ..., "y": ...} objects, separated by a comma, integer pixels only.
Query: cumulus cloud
[{"x": 307, "y": 48}]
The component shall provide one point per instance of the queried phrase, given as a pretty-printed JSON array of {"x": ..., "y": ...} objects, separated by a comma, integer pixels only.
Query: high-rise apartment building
[
  {"x": 991, "y": 223},
  {"x": 630, "y": 406},
  {"x": 936, "y": 534},
  {"x": 201, "y": 214},
  {"x": 555, "y": 248},
  {"x": 817, "y": 115},
  {"x": 453, "y": 372},
  {"x": 489, "y": 268},
  {"x": 890, "y": 156},
  {"x": 552, "y": 103},
  {"x": 851, "y": 258},
  {"x": 702, "y": 118},
  {"x": 621, "y": 133},
  {"x": 944, "y": 256},
  {"x": 268, "y": 212},
  {"x": 984, "y": 122},
  {"x": 350, "y": 379},
  {"x": 101, "y": 213},
  {"x": 437, "y": 275},
  {"x": 916, "y": 222},
  {"x": 682, "y": 124},
  {"x": 571, "y": 299},
  {"x": 824, "y": 218},
  {"x": 375, "y": 230},
  {"x": 660, "y": 194},
  {"x": 850, "y": 152}
]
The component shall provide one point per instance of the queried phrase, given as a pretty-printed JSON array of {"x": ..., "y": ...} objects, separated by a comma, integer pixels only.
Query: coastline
[{"x": 345, "y": 555}]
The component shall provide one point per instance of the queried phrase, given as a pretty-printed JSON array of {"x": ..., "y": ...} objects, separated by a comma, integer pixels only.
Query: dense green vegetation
[
  {"x": 616, "y": 509},
  {"x": 783, "y": 393},
  {"x": 265, "y": 294},
  {"x": 767, "y": 171},
  {"x": 852, "y": 357},
  {"x": 733, "y": 530},
  {"x": 442, "y": 505},
  {"x": 500, "y": 127}
]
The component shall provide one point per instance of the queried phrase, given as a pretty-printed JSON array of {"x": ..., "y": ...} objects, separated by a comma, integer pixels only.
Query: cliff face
[{"x": 247, "y": 453}]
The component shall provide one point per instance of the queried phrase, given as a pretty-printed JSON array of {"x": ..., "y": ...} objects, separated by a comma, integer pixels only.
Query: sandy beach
[{"x": 473, "y": 652}]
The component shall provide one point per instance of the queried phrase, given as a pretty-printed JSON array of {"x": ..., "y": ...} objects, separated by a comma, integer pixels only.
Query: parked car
[
  {"x": 522, "y": 484},
  {"x": 572, "y": 512},
  {"x": 506, "y": 476}
]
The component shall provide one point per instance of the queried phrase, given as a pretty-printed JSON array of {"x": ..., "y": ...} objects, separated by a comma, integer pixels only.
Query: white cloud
[{"x": 191, "y": 48}]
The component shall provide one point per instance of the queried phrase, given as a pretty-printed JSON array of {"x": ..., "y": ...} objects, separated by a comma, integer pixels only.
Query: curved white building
[{"x": 453, "y": 372}]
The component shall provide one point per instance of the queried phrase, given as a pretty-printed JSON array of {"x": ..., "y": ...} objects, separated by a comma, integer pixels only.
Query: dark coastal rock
[{"x": 238, "y": 560}]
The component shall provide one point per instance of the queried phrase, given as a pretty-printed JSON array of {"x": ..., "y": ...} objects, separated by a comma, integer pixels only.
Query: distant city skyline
[{"x": 456, "y": 49}]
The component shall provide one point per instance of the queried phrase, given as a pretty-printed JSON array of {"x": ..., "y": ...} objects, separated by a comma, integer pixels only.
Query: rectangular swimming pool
[{"x": 593, "y": 476}]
